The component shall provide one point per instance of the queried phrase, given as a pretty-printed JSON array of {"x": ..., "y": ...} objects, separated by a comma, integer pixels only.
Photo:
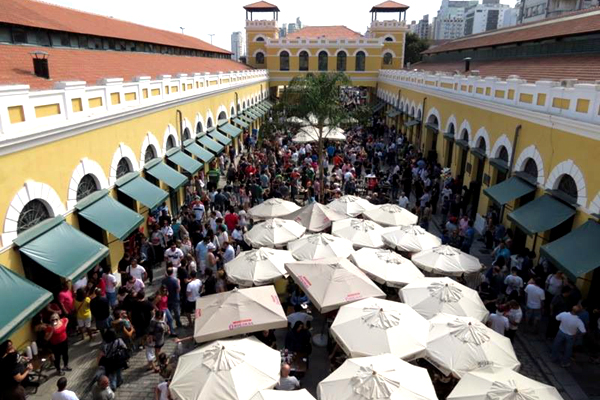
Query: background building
[
  {"x": 484, "y": 17},
  {"x": 424, "y": 29},
  {"x": 537, "y": 10},
  {"x": 238, "y": 47},
  {"x": 450, "y": 21}
]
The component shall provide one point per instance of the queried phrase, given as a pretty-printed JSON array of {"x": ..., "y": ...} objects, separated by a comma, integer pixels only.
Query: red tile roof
[
  {"x": 328, "y": 32},
  {"x": 555, "y": 68},
  {"x": 261, "y": 5},
  {"x": 566, "y": 25},
  {"x": 389, "y": 5},
  {"x": 43, "y": 15},
  {"x": 16, "y": 66}
]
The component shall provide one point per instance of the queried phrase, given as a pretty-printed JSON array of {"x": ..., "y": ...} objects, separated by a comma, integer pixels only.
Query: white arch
[
  {"x": 436, "y": 113},
  {"x": 323, "y": 49},
  {"x": 123, "y": 151},
  {"x": 200, "y": 119},
  {"x": 259, "y": 36},
  {"x": 569, "y": 167},
  {"x": 85, "y": 167},
  {"x": 595, "y": 205},
  {"x": 360, "y": 49},
  {"x": 31, "y": 190},
  {"x": 451, "y": 120},
  {"x": 210, "y": 116},
  {"x": 258, "y": 51},
  {"x": 420, "y": 109},
  {"x": 388, "y": 51},
  {"x": 186, "y": 124},
  {"x": 533, "y": 153},
  {"x": 282, "y": 50},
  {"x": 338, "y": 51},
  {"x": 503, "y": 141},
  {"x": 149, "y": 140},
  {"x": 303, "y": 49},
  {"x": 170, "y": 131},
  {"x": 221, "y": 109},
  {"x": 482, "y": 133},
  {"x": 389, "y": 36},
  {"x": 464, "y": 126},
  {"x": 232, "y": 107}
]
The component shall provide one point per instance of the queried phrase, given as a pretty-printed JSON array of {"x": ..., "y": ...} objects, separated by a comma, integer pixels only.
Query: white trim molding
[
  {"x": 200, "y": 119},
  {"x": 464, "y": 126},
  {"x": 169, "y": 131},
  {"x": 451, "y": 120},
  {"x": 221, "y": 109},
  {"x": 209, "y": 117},
  {"x": 360, "y": 49},
  {"x": 569, "y": 167},
  {"x": 150, "y": 140},
  {"x": 338, "y": 51},
  {"x": 533, "y": 153},
  {"x": 595, "y": 205},
  {"x": 186, "y": 124},
  {"x": 433, "y": 111},
  {"x": 503, "y": 141},
  {"x": 482, "y": 134},
  {"x": 123, "y": 151},
  {"x": 85, "y": 167}
]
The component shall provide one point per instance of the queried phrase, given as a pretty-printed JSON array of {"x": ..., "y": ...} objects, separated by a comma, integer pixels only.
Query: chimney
[
  {"x": 467, "y": 61},
  {"x": 40, "y": 64}
]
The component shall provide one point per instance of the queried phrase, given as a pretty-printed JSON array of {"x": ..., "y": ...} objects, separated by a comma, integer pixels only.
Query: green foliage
[{"x": 414, "y": 47}]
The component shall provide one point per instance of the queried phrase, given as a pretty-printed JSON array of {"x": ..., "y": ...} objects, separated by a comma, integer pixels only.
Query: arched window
[
  {"x": 284, "y": 61},
  {"x": 465, "y": 135},
  {"x": 451, "y": 129},
  {"x": 260, "y": 39},
  {"x": 387, "y": 59},
  {"x": 186, "y": 134},
  {"x": 568, "y": 186},
  {"x": 360, "y": 61},
  {"x": 303, "y": 61},
  {"x": 531, "y": 168},
  {"x": 481, "y": 144},
  {"x": 171, "y": 142},
  {"x": 341, "y": 61},
  {"x": 503, "y": 154},
  {"x": 150, "y": 153},
  {"x": 124, "y": 167},
  {"x": 323, "y": 61},
  {"x": 222, "y": 116},
  {"x": 389, "y": 39},
  {"x": 260, "y": 58},
  {"x": 199, "y": 127},
  {"x": 32, "y": 214},
  {"x": 232, "y": 111},
  {"x": 87, "y": 185},
  {"x": 209, "y": 123}
]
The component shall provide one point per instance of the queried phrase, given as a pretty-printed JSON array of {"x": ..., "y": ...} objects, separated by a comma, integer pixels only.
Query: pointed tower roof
[
  {"x": 389, "y": 6},
  {"x": 261, "y": 6}
]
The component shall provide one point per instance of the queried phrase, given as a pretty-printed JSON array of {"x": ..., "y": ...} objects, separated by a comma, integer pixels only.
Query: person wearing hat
[{"x": 211, "y": 258}]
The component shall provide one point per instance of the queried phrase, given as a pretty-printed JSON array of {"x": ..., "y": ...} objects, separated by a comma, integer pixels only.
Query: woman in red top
[{"x": 57, "y": 336}]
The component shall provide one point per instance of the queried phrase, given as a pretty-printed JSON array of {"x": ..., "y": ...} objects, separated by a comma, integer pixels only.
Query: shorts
[
  {"x": 189, "y": 307},
  {"x": 150, "y": 354},
  {"x": 87, "y": 323}
]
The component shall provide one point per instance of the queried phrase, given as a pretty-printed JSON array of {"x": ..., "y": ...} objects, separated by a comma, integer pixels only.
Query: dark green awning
[
  {"x": 578, "y": 252},
  {"x": 477, "y": 152},
  {"x": 200, "y": 152},
  {"x": 378, "y": 107},
  {"x": 163, "y": 172},
  {"x": 262, "y": 107},
  {"x": 21, "y": 300},
  {"x": 258, "y": 111},
  {"x": 219, "y": 137},
  {"x": 60, "y": 248},
  {"x": 241, "y": 123},
  {"x": 392, "y": 113},
  {"x": 184, "y": 161},
  {"x": 109, "y": 214},
  {"x": 541, "y": 215},
  {"x": 432, "y": 127},
  {"x": 247, "y": 118},
  {"x": 230, "y": 130},
  {"x": 211, "y": 144},
  {"x": 499, "y": 164},
  {"x": 141, "y": 190},
  {"x": 449, "y": 136},
  {"x": 509, "y": 190},
  {"x": 462, "y": 143},
  {"x": 412, "y": 123},
  {"x": 252, "y": 114}
]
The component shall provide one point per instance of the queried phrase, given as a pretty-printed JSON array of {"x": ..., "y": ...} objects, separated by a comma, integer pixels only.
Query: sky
[{"x": 201, "y": 17}]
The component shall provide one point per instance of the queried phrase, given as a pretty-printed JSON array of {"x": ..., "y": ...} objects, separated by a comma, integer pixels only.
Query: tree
[
  {"x": 414, "y": 47},
  {"x": 317, "y": 99}
]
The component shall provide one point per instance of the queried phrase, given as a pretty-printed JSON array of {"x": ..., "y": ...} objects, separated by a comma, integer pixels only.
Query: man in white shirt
[
  {"x": 192, "y": 293},
  {"x": 63, "y": 393},
  {"x": 134, "y": 284},
  {"x": 513, "y": 282},
  {"x": 137, "y": 270},
  {"x": 403, "y": 200},
  {"x": 499, "y": 323},
  {"x": 535, "y": 301},
  {"x": 228, "y": 252},
  {"x": 287, "y": 382},
  {"x": 299, "y": 315},
  {"x": 174, "y": 255},
  {"x": 198, "y": 208},
  {"x": 570, "y": 326}
]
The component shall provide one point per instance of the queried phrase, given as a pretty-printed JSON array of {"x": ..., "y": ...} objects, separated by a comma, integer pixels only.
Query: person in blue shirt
[{"x": 469, "y": 238}]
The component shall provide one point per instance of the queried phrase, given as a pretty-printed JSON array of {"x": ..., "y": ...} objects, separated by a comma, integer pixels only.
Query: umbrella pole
[{"x": 321, "y": 339}]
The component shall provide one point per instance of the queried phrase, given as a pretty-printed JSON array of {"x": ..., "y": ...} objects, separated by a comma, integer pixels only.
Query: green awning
[
  {"x": 141, "y": 190},
  {"x": 411, "y": 123},
  {"x": 241, "y": 123},
  {"x": 219, "y": 137},
  {"x": 541, "y": 215},
  {"x": 230, "y": 130},
  {"x": 432, "y": 127},
  {"x": 21, "y": 300},
  {"x": 578, "y": 252},
  {"x": 509, "y": 190},
  {"x": 257, "y": 111},
  {"x": 499, "y": 164},
  {"x": 184, "y": 161},
  {"x": 109, "y": 214},
  {"x": 60, "y": 248},
  {"x": 247, "y": 118},
  {"x": 262, "y": 107},
  {"x": 449, "y": 136},
  {"x": 200, "y": 152},
  {"x": 163, "y": 172},
  {"x": 378, "y": 107},
  {"x": 477, "y": 152},
  {"x": 463, "y": 144},
  {"x": 251, "y": 114},
  {"x": 393, "y": 113},
  {"x": 211, "y": 144}
]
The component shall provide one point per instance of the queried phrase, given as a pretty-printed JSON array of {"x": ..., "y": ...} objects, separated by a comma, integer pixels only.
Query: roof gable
[
  {"x": 261, "y": 5},
  {"x": 327, "y": 32},
  {"x": 390, "y": 6}
]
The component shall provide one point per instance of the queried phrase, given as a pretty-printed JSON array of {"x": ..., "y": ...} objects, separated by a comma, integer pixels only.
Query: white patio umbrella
[
  {"x": 446, "y": 260},
  {"x": 296, "y": 120},
  {"x": 390, "y": 327},
  {"x": 411, "y": 238},
  {"x": 258, "y": 267},
  {"x": 332, "y": 282},
  {"x": 383, "y": 377},
  {"x": 386, "y": 267},
  {"x": 391, "y": 215},
  {"x": 360, "y": 232},
  {"x": 496, "y": 383},
  {"x": 283, "y": 395},
  {"x": 234, "y": 369},
  {"x": 320, "y": 245},
  {"x": 457, "y": 345},
  {"x": 273, "y": 208},
  {"x": 430, "y": 296},
  {"x": 315, "y": 217},
  {"x": 236, "y": 312},
  {"x": 274, "y": 233},
  {"x": 351, "y": 205},
  {"x": 310, "y": 134}
]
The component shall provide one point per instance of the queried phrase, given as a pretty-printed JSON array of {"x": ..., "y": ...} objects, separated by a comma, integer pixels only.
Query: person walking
[
  {"x": 100, "y": 308},
  {"x": 173, "y": 289},
  {"x": 157, "y": 333},
  {"x": 570, "y": 326},
  {"x": 57, "y": 337},
  {"x": 102, "y": 390},
  {"x": 193, "y": 290},
  {"x": 535, "y": 301},
  {"x": 63, "y": 393},
  {"x": 83, "y": 313},
  {"x": 113, "y": 357},
  {"x": 161, "y": 303}
]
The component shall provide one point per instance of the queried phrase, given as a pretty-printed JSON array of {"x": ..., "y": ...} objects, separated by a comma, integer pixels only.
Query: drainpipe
[
  {"x": 180, "y": 115},
  {"x": 423, "y": 118},
  {"x": 512, "y": 163}
]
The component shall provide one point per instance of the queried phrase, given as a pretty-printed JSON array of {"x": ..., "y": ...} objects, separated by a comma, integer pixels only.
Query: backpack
[{"x": 116, "y": 356}]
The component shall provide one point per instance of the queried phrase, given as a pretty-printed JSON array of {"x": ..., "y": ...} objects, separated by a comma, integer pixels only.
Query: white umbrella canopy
[
  {"x": 430, "y": 296},
  {"x": 411, "y": 238},
  {"x": 233, "y": 369},
  {"x": 360, "y": 232},
  {"x": 283, "y": 395},
  {"x": 310, "y": 134},
  {"x": 237, "y": 312},
  {"x": 386, "y": 267},
  {"x": 274, "y": 233},
  {"x": 258, "y": 267},
  {"x": 391, "y": 215},
  {"x": 390, "y": 327},
  {"x": 315, "y": 217},
  {"x": 446, "y": 260},
  {"x": 383, "y": 377},
  {"x": 332, "y": 282},
  {"x": 496, "y": 383},
  {"x": 320, "y": 245},
  {"x": 273, "y": 208},
  {"x": 351, "y": 205},
  {"x": 457, "y": 345}
]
